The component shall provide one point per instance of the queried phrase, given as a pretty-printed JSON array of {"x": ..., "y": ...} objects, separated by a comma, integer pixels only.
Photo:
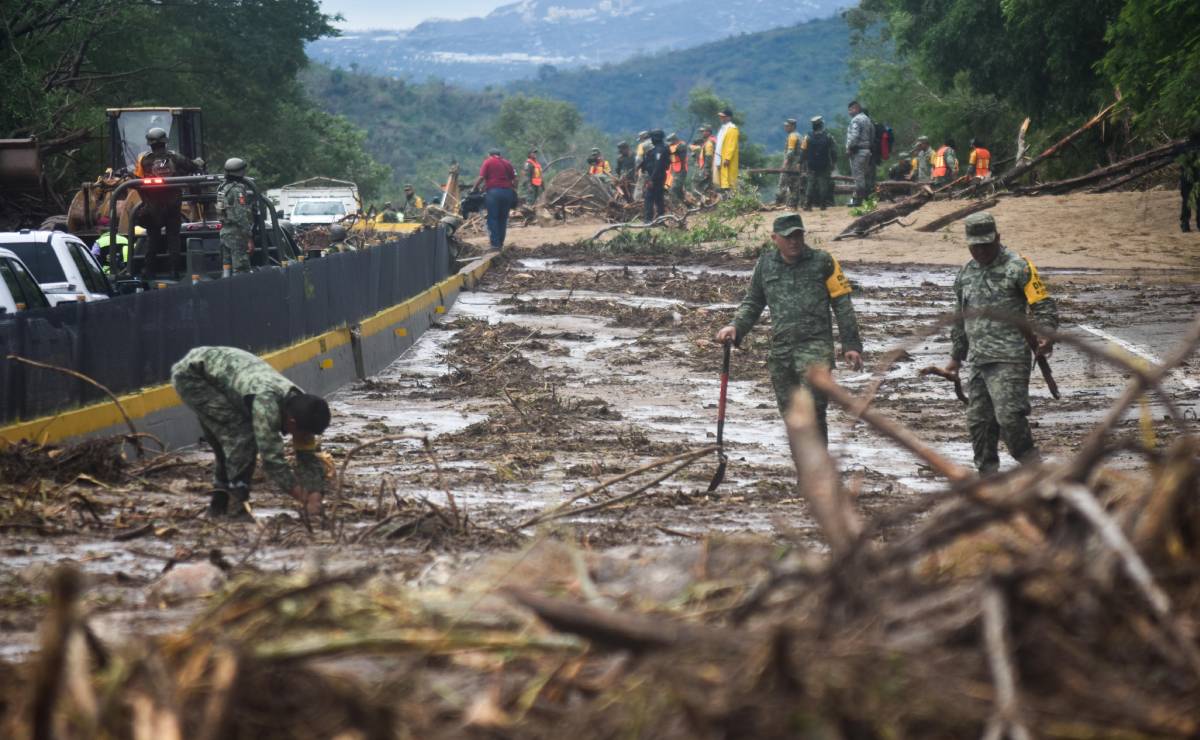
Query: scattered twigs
[
  {"x": 564, "y": 509},
  {"x": 823, "y": 381},
  {"x": 499, "y": 362},
  {"x": 949, "y": 218},
  {"x": 660, "y": 221},
  {"x": 135, "y": 436},
  {"x": 337, "y": 490}
]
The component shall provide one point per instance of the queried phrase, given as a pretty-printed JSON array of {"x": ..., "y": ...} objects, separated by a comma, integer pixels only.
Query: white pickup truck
[
  {"x": 317, "y": 201},
  {"x": 61, "y": 263}
]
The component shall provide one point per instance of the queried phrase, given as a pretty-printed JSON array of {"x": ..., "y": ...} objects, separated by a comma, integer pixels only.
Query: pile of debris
[{"x": 1056, "y": 599}]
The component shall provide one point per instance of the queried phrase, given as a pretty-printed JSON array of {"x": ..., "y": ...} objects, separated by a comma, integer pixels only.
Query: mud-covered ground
[{"x": 561, "y": 371}]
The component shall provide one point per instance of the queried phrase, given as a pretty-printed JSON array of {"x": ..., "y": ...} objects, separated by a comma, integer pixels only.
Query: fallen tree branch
[
  {"x": 660, "y": 221},
  {"x": 955, "y": 215},
  {"x": 560, "y": 511},
  {"x": 1024, "y": 167},
  {"x": 876, "y": 219},
  {"x": 1168, "y": 152},
  {"x": 1136, "y": 174},
  {"x": 817, "y": 475}
]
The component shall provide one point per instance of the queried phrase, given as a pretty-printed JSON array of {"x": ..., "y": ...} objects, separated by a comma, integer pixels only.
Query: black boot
[
  {"x": 218, "y": 504},
  {"x": 239, "y": 503},
  {"x": 1184, "y": 227}
]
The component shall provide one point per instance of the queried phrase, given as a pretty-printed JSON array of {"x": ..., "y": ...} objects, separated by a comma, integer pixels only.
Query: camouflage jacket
[
  {"x": 249, "y": 382},
  {"x": 800, "y": 296},
  {"x": 234, "y": 206},
  {"x": 1010, "y": 284},
  {"x": 860, "y": 133},
  {"x": 626, "y": 167},
  {"x": 924, "y": 165}
]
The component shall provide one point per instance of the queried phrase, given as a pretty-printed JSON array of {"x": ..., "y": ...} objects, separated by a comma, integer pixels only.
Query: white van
[
  {"x": 18, "y": 290},
  {"x": 62, "y": 264}
]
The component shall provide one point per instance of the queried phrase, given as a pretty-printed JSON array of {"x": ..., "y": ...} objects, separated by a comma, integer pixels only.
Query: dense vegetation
[
  {"x": 794, "y": 72},
  {"x": 65, "y": 62},
  {"x": 963, "y": 68}
]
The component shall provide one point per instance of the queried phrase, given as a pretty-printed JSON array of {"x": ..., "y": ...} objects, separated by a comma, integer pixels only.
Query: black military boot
[
  {"x": 218, "y": 504},
  {"x": 239, "y": 503}
]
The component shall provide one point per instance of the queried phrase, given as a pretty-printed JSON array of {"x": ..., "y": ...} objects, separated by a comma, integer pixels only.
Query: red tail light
[{"x": 152, "y": 181}]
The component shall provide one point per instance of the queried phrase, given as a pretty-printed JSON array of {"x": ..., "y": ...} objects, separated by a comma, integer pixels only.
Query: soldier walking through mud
[
  {"x": 802, "y": 286},
  {"x": 160, "y": 212},
  {"x": 999, "y": 353},
  {"x": 245, "y": 408},
  {"x": 236, "y": 214}
]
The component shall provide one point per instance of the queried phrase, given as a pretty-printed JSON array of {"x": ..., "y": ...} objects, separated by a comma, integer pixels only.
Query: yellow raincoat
[{"x": 726, "y": 163}]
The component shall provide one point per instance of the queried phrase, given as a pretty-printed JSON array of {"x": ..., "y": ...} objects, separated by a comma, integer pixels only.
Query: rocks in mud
[{"x": 186, "y": 582}]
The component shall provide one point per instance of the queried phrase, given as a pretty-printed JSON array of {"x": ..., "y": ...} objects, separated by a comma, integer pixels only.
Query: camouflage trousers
[
  {"x": 820, "y": 190},
  {"x": 227, "y": 428},
  {"x": 679, "y": 187},
  {"x": 787, "y": 374},
  {"x": 999, "y": 409},
  {"x": 702, "y": 183},
  {"x": 790, "y": 189},
  {"x": 860, "y": 163},
  {"x": 235, "y": 249}
]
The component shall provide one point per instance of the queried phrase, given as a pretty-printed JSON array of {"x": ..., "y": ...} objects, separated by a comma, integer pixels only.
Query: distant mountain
[
  {"x": 515, "y": 41},
  {"x": 795, "y": 72}
]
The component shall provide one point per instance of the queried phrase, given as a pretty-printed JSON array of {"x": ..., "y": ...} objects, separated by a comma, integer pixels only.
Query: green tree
[
  {"x": 525, "y": 122},
  {"x": 1154, "y": 59}
]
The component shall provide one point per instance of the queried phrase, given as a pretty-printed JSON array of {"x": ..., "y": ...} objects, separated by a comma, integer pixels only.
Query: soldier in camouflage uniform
[
  {"x": 244, "y": 406},
  {"x": 790, "y": 186},
  {"x": 998, "y": 385},
  {"x": 819, "y": 155},
  {"x": 924, "y": 156},
  {"x": 234, "y": 209},
  {"x": 413, "y": 207},
  {"x": 802, "y": 286}
]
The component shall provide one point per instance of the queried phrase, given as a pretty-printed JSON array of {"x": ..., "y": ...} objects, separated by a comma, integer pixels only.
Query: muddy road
[{"x": 562, "y": 370}]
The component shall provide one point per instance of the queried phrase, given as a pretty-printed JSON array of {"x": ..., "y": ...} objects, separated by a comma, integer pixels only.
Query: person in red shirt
[{"x": 498, "y": 177}]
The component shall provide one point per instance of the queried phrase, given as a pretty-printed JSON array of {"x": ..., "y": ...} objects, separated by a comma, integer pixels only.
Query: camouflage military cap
[
  {"x": 922, "y": 139},
  {"x": 788, "y": 224},
  {"x": 673, "y": 137},
  {"x": 706, "y": 127},
  {"x": 622, "y": 144},
  {"x": 981, "y": 228},
  {"x": 816, "y": 119},
  {"x": 790, "y": 122},
  {"x": 643, "y": 134}
]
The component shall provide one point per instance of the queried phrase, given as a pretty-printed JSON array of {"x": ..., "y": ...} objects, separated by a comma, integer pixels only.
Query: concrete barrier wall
[{"x": 319, "y": 363}]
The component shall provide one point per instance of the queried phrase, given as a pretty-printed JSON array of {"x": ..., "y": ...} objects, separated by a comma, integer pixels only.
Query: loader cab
[{"x": 127, "y": 129}]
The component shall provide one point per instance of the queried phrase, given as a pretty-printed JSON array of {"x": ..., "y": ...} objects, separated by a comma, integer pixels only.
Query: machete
[{"x": 952, "y": 377}]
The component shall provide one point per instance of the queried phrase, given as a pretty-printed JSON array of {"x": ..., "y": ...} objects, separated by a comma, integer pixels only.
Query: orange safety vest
[
  {"x": 536, "y": 180},
  {"x": 600, "y": 168},
  {"x": 939, "y": 163},
  {"x": 983, "y": 162},
  {"x": 678, "y": 160}
]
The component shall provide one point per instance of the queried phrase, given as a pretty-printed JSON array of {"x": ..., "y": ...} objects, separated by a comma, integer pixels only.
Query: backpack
[{"x": 820, "y": 146}]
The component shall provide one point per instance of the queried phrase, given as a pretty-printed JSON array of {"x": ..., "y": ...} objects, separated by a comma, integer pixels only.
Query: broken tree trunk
[
  {"x": 953, "y": 216},
  {"x": 865, "y": 224},
  {"x": 1141, "y": 172},
  {"x": 1024, "y": 167},
  {"x": 1165, "y": 152}
]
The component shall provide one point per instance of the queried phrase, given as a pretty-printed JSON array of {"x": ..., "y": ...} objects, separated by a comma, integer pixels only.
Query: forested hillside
[{"x": 794, "y": 72}]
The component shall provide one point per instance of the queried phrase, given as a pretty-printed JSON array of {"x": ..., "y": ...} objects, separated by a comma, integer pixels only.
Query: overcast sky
[{"x": 362, "y": 14}]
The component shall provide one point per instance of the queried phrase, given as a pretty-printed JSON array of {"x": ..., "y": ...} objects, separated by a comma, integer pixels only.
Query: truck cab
[
  {"x": 61, "y": 264},
  {"x": 19, "y": 291}
]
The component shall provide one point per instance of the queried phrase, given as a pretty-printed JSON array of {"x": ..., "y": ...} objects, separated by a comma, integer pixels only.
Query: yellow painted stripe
[{"x": 89, "y": 419}]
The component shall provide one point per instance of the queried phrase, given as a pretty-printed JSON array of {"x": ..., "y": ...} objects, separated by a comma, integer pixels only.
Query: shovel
[{"x": 722, "y": 460}]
